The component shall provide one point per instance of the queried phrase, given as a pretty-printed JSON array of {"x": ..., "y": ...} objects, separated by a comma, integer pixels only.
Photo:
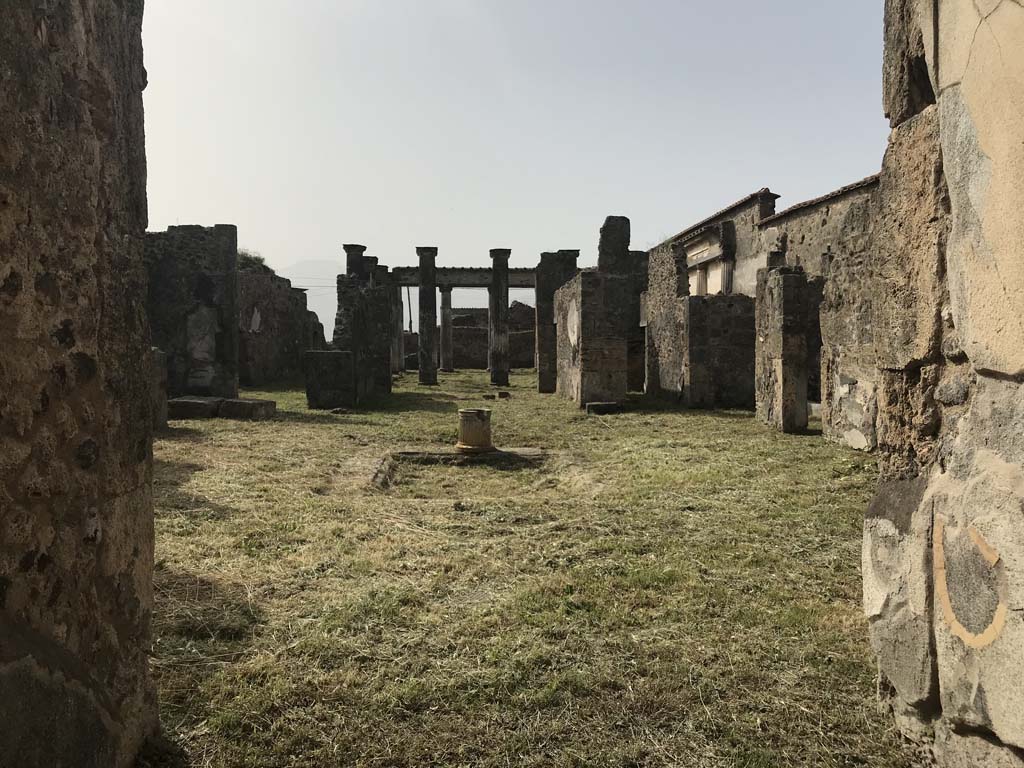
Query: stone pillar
[
  {"x": 702, "y": 281},
  {"x": 554, "y": 271},
  {"x": 354, "y": 262},
  {"x": 398, "y": 342},
  {"x": 428, "y": 315},
  {"x": 498, "y": 352},
  {"x": 728, "y": 269},
  {"x": 372, "y": 270},
  {"x": 781, "y": 362},
  {"x": 76, "y": 505},
  {"x": 447, "y": 332}
]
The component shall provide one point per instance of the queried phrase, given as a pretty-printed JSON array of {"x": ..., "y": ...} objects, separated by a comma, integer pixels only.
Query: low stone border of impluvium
[{"x": 389, "y": 463}]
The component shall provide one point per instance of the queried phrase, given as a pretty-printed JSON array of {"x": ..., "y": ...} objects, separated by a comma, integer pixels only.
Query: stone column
[
  {"x": 554, "y": 271},
  {"x": 399, "y": 330},
  {"x": 76, "y": 490},
  {"x": 498, "y": 352},
  {"x": 428, "y": 315},
  {"x": 354, "y": 261},
  {"x": 781, "y": 357},
  {"x": 378, "y": 275},
  {"x": 447, "y": 333}
]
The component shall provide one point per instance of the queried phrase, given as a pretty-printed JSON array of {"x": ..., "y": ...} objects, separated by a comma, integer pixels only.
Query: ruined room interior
[{"x": 300, "y": 490}]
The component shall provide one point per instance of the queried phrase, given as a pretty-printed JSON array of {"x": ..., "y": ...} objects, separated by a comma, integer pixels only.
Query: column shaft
[
  {"x": 447, "y": 332},
  {"x": 428, "y": 315},
  {"x": 498, "y": 352}
]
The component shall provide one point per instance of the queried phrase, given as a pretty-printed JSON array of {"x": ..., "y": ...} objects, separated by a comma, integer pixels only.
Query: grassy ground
[{"x": 669, "y": 588}]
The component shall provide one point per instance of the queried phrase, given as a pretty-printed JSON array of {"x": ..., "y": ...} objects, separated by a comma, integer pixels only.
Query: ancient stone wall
[
  {"x": 330, "y": 379},
  {"x": 700, "y": 349},
  {"x": 665, "y": 301},
  {"x": 76, "y": 511},
  {"x": 636, "y": 339},
  {"x": 554, "y": 270},
  {"x": 158, "y": 391},
  {"x": 363, "y": 327},
  {"x": 193, "y": 307},
  {"x": 819, "y": 230},
  {"x": 275, "y": 328},
  {"x": 718, "y": 351},
  {"x": 592, "y": 350},
  {"x": 469, "y": 336},
  {"x": 943, "y": 542},
  {"x": 380, "y": 324}
]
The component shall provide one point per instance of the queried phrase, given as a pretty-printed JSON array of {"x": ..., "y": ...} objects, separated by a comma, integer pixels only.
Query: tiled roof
[
  {"x": 700, "y": 226},
  {"x": 862, "y": 184}
]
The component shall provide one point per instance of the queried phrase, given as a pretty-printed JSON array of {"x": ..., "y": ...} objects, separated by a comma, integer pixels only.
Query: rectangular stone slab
[
  {"x": 193, "y": 408},
  {"x": 248, "y": 410}
]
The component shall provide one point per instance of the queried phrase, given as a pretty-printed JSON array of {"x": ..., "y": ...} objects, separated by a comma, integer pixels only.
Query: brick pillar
[
  {"x": 354, "y": 261},
  {"x": 781, "y": 368},
  {"x": 428, "y": 315},
  {"x": 554, "y": 271},
  {"x": 447, "y": 335},
  {"x": 498, "y": 353}
]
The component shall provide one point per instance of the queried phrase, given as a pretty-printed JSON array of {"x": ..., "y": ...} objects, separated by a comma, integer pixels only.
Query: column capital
[
  {"x": 354, "y": 250},
  {"x": 445, "y": 289},
  {"x": 500, "y": 253},
  {"x": 426, "y": 251}
]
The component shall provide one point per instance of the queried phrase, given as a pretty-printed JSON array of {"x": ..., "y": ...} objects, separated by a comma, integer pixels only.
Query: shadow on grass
[
  {"x": 200, "y": 625},
  {"x": 427, "y": 399},
  {"x": 643, "y": 404},
  {"x": 169, "y": 481},
  {"x": 185, "y": 434}
]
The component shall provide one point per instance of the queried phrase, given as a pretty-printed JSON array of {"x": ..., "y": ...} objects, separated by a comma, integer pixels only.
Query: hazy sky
[{"x": 477, "y": 124}]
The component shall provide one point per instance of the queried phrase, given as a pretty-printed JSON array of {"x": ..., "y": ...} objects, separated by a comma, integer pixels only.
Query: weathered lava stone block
[
  {"x": 76, "y": 413},
  {"x": 330, "y": 380}
]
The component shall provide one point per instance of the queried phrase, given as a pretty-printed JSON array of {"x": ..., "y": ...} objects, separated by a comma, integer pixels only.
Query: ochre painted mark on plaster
[{"x": 995, "y": 628}]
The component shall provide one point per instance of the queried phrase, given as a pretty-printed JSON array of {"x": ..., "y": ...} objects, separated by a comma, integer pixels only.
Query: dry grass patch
[{"x": 667, "y": 588}]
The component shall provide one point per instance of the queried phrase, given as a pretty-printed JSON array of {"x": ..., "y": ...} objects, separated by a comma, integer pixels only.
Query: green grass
[{"x": 668, "y": 588}]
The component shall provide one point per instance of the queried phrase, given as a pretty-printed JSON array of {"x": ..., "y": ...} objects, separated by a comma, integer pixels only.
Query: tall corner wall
[
  {"x": 667, "y": 292},
  {"x": 76, "y": 511},
  {"x": 943, "y": 558},
  {"x": 193, "y": 307},
  {"x": 592, "y": 345}
]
